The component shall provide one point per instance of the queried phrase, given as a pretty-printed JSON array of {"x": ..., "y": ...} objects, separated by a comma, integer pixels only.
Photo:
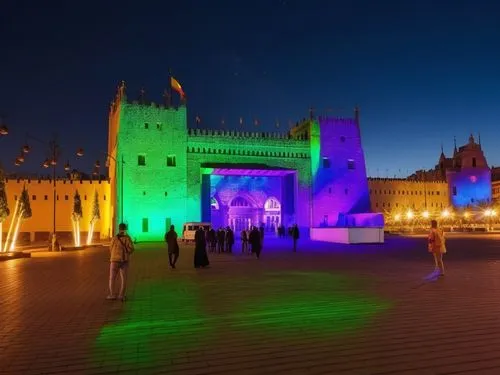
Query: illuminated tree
[
  {"x": 24, "y": 205},
  {"x": 4, "y": 207},
  {"x": 23, "y": 212},
  {"x": 96, "y": 215},
  {"x": 77, "y": 216}
]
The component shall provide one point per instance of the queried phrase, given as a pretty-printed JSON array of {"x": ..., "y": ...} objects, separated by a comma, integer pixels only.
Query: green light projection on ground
[
  {"x": 321, "y": 302},
  {"x": 161, "y": 321},
  {"x": 166, "y": 319}
]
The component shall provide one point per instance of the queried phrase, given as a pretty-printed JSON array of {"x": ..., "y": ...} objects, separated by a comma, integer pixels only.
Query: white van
[{"x": 189, "y": 229}]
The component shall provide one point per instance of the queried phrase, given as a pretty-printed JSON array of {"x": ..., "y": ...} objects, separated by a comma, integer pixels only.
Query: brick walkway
[{"x": 329, "y": 309}]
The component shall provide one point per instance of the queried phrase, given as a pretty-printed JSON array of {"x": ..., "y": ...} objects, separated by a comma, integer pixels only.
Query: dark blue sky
[{"x": 422, "y": 71}]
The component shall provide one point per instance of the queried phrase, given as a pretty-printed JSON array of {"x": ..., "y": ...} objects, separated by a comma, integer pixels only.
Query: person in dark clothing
[
  {"x": 255, "y": 241},
  {"x": 295, "y": 236},
  {"x": 172, "y": 245},
  {"x": 244, "y": 241},
  {"x": 262, "y": 230},
  {"x": 221, "y": 235},
  {"x": 212, "y": 240},
  {"x": 200, "y": 249},
  {"x": 229, "y": 240}
]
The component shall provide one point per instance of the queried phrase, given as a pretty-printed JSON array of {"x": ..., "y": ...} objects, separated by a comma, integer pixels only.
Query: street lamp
[
  {"x": 97, "y": 166},
  {"x": 51, "y": 161},
  {"x": 3, "y": 129}
]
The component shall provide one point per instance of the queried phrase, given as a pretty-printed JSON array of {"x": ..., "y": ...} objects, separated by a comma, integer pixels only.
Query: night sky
[{"x": 421, "y": 73}]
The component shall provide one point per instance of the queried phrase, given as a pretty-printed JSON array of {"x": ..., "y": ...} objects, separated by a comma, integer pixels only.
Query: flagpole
[{"x": 170, "y": 87}]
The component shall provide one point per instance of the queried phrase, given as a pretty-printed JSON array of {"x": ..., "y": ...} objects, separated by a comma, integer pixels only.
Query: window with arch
[
  {"x": 272, "y": 204},
  {"x": 240, "y": 202}
]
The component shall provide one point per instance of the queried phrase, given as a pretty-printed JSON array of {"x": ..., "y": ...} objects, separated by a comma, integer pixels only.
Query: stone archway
[
  {"x": 242, "y": 214},
  {"x": 272, "y": 214}
]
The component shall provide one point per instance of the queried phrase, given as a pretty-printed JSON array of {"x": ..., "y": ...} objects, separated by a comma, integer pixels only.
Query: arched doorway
[
  {"x": 272, "y": 214},
  {"x": 242, "y": 214}
]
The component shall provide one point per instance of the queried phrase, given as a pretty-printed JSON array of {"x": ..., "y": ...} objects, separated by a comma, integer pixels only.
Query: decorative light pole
[
  {"x": 51, "y": 161},
  {"x": 97, "y": 166}
]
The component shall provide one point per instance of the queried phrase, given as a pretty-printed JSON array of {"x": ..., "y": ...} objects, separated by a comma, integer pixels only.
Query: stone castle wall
[
  {"x": 393, "y": 195},
  {"x": 38, "y": 227}
]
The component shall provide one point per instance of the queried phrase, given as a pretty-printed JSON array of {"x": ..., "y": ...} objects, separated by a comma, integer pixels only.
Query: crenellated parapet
[
  {"x": 384, "y": 180},
  {"x": 47, "y": 181},
  {"x": 257, "y": 144},
  {"x": 193, "y": 132}
]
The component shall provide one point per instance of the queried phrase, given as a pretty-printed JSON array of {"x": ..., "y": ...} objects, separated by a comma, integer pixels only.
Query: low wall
[{"x": 350, "y": 235}]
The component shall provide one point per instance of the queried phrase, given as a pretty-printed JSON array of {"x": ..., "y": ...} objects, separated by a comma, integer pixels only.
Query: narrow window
[
  {"x": 326, "y": 163},
  {"x": 350, "y": 164},
  {"x": 454, "y": 190},
  {"x": 146, "y": 125},
  {"x": 145, "y": 225},
  {"x": 141, "y": 160},
  {"x": 171, "y": 162}
]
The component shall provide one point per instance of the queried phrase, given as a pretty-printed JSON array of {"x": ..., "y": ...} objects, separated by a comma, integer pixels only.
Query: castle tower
[
  {"x": 469, "y": 181},
  {"x": 147, "y": 144},
  {"x": 340, "y": 185}
]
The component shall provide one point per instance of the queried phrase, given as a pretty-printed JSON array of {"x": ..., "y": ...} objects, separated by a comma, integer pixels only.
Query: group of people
[
  {"x": 122, "y": 247},
  {"x": 220, "y": 241}
]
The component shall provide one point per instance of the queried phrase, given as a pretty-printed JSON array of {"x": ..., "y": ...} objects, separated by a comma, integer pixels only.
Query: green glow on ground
[
  {"x": 167, "y": 319},
  {"x": 321, "y": 302},
  {"x": 161, "y": 321}
]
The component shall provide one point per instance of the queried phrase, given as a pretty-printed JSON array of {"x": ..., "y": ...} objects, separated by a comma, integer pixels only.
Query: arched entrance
[
  {"x": 272, "y": 214},
  {"x": 242, "y": 214}
]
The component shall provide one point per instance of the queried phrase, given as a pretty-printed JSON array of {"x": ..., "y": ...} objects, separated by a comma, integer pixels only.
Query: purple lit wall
[
  {"x": 469, "y": 186},
  {"x": 241, "y": 200},
  {"x": 340, "y": 185}
]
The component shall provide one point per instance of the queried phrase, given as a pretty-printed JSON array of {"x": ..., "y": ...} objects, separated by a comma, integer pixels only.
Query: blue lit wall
[
  {"x": 255, "y": 190},
  {"x": 469, "y": 187},
  {"x": 340, "y": 185}
]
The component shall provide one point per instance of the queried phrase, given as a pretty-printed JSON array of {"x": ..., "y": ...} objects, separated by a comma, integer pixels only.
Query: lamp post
[
  {"x": 51, "y": 161},
  {"x": 97, "y": 165}
]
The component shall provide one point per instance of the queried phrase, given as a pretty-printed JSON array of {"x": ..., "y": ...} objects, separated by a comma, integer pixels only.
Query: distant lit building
[{"x": 461, "y": 181}]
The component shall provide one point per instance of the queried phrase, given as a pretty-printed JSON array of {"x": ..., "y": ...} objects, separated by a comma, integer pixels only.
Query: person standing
[
  {"x": 212, "y": 236},
  {"x": 229, "y": 239},
  {"x": 200, "y": 249},
  {"x": 262, "y": 229},
  {"x": 173, "y": 246},
  {"x": 437, "y": 246},
  {"x": 244, "y": 241},
  {"x": 221, "y": 237},
  {"x": 295, "y": 236},
  {"x": 120, "y": 249},
  {"x": 255, "y": 242}
]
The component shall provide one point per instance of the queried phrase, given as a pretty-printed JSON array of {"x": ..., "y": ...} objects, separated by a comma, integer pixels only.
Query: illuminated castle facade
[
  {"x": 163, "y": 173},
  {"x": 458, "y": 182}
]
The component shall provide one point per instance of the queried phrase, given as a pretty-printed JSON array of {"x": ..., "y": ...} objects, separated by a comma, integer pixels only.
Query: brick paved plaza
[{"x": 328, "y": 309}]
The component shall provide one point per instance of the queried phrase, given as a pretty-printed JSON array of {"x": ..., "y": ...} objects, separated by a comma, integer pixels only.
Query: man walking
[
  {"x": 173, "y": 246},
  {"x": 120, "y": 249}
]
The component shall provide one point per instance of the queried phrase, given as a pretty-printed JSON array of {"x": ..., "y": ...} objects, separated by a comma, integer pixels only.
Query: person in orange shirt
[{"x": 437, "y": 246}]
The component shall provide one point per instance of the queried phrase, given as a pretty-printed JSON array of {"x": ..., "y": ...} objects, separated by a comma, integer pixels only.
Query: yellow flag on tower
[{"x": 176, "y": 86}]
